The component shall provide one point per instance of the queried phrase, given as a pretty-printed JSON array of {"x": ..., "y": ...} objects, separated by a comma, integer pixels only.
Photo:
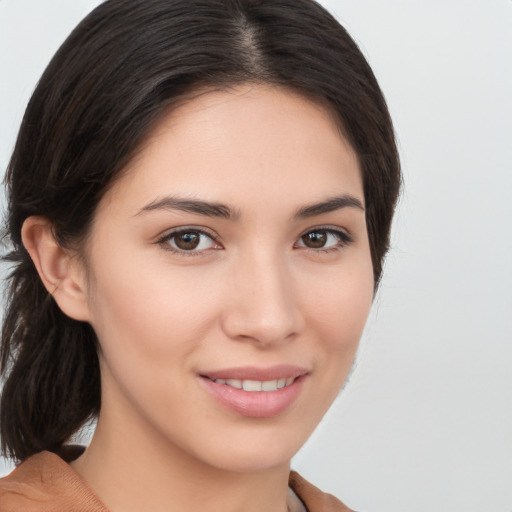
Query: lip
[
  {"x": 254, "y": 373},
  {"x": 255, "y": 404}
]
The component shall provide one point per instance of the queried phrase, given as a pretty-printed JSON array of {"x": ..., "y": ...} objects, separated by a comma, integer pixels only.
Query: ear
[{"x": 60, "y": 270}]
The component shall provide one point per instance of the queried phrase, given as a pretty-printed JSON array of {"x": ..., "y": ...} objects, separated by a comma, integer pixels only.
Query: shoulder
[
  {"x": 44, "y": 483},
  {"x": 313, "y": 498}
]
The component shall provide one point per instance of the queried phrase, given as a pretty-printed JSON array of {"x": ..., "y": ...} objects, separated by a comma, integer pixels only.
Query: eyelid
[
  {"x": 168, "y": 235},
  {"x": 192, "y": 227},
  {"x": 345, "y": 237}
]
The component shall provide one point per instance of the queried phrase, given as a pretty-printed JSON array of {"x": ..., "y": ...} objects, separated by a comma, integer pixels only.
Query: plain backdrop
[{"x": 425, "y": 422}]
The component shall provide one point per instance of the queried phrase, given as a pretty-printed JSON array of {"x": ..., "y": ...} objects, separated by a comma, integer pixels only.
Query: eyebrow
[
  {"x": 209, "y": 209},
  {"x": 330, "y": 205},
  {"x": 214, "y": 209}
]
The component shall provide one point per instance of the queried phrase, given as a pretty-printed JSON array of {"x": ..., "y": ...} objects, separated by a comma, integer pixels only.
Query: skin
[{"x": 253, "y": 294}]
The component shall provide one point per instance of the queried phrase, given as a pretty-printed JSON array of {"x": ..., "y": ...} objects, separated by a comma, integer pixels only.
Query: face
[{"x": 233, "y": 253}]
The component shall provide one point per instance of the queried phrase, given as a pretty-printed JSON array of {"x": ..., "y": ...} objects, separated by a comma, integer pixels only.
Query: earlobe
[{"x": 60, "y": 270}]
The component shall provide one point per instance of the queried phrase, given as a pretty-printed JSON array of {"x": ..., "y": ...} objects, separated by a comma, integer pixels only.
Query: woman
[{"x": 200, "y": 200}]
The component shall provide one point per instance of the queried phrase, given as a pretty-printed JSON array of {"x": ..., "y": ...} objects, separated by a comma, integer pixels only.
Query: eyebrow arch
[
  {"x": 209, "y": 209},
  {"x": 330, "y": 205}
]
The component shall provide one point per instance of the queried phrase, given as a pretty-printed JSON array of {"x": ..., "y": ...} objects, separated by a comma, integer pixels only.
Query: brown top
[{"x": 46, "y": 483}]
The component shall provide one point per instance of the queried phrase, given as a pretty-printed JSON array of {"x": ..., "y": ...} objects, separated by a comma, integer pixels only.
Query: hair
[{"x": 118, "y": 72}]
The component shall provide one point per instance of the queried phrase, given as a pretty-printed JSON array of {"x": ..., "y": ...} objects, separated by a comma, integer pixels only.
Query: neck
[{"x": 130, "y": 475}]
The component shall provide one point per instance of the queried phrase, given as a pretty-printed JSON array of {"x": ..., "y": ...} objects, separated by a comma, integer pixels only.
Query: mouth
[
  {"x": 257, "y": 385},
  {"x": 254, "y": 392}
]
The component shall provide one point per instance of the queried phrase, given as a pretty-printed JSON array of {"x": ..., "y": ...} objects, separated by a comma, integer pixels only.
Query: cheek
[
  {"x": 148, "y": 313},
  {"x": 341, "y": 316},
  {"x": 338, "y": 310}
]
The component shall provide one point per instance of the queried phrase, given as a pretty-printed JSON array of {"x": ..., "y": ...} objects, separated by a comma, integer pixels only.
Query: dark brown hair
[{"x": 116, "y": 74}]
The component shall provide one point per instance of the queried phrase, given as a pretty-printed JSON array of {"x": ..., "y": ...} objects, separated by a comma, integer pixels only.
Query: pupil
[
  {"x": 187, "y": 241},
  {"x": 315, "y": 240}
]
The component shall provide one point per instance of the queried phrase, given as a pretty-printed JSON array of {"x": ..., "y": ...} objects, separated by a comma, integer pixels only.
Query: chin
[
  {"x": 245, "y": 461},
  {"x": 261, "y": 451}
]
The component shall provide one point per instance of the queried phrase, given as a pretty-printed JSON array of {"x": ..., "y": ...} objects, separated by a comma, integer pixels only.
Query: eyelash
[
  {"x": 163, "y": 241},
  {"x": 344, "y": 239}
]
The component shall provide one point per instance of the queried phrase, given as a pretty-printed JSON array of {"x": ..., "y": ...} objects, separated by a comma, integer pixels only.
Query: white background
[{"x": 425, "y": 424}]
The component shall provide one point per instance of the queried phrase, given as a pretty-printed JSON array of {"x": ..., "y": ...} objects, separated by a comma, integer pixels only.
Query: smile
[
  {"x": 255, "y": 392},
  {"x": 257, "y": 385}
]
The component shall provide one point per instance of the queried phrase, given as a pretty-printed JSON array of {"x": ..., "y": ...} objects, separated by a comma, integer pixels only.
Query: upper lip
[{"x": 282, "y": 371}]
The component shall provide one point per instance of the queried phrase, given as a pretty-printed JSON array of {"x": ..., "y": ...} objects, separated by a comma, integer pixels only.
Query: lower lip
[{"x": 255, "y": 404}]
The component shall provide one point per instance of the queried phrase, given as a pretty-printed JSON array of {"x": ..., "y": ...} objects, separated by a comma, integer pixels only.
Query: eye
[
  {"x": 188, "y": 241},
  {"x": 323, "y": 238}
]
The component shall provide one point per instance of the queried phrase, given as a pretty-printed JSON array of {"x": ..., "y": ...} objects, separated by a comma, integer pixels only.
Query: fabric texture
[{"x": 47, "y": 483}]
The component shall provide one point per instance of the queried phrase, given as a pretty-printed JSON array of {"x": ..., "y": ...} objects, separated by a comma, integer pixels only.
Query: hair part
[{"x": 123, "y": 67}]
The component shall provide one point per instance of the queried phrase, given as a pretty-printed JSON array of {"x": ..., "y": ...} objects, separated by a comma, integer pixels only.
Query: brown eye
[
  {"x": 324, "y": 239},
  {"x": 315, "y": 239},
  {"x": 189, "y": 240}
]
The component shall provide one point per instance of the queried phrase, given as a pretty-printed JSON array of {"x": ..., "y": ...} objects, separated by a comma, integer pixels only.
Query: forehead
[{"x": 256, "y": 140}]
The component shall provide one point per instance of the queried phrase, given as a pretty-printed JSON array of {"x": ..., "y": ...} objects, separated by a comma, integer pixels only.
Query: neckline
[{"x": 69, "y": 453}]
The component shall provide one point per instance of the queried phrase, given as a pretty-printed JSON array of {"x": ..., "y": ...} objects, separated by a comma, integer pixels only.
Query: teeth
[
  {"x": 256, "y": 385},
  {"x": 234, "y": 383},
  {"x": 269, "y": 385},
  {"x": 252, "y": 385}
]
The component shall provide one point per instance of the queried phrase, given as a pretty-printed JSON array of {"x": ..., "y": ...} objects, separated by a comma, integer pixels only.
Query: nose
[{"x": 262, "y": 306}]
